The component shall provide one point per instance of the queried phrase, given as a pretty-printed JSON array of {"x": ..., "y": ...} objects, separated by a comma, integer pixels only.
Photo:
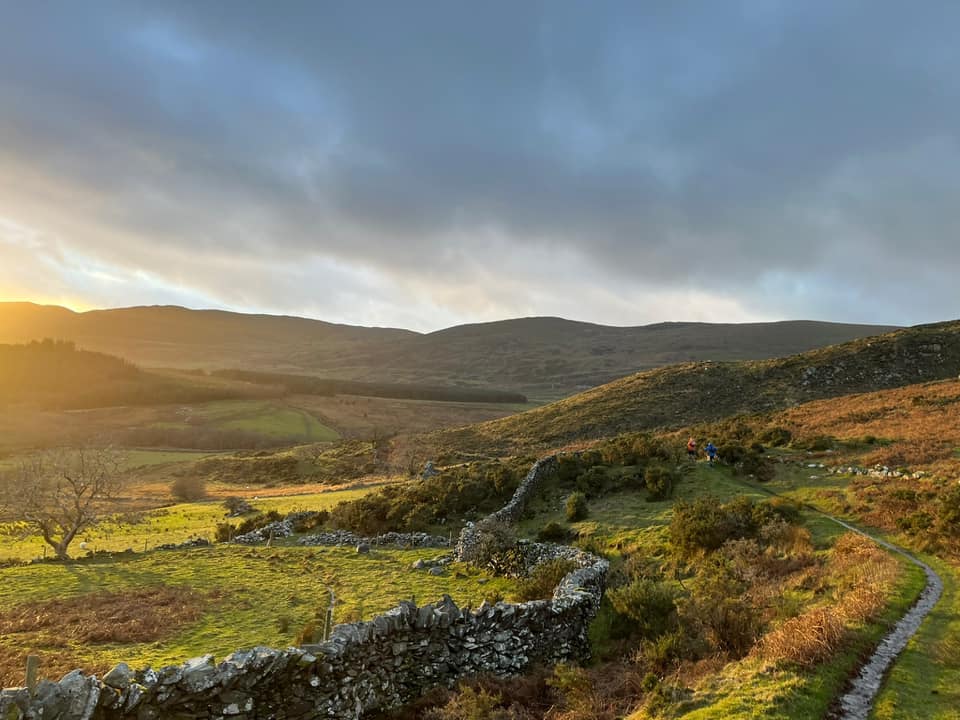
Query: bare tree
[{"x": 61, "y": 492}]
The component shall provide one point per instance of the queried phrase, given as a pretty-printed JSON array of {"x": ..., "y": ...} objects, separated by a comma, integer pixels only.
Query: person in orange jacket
[{"x": 692, "y": 449}]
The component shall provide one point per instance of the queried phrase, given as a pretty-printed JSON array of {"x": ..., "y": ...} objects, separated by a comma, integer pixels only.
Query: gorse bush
[
  {"x": 705, "y": 524},
  {"x": 659, "y": 481},
  {"x": 543, "y": 580},
  {"x": 717, "y": 607},
  {"x": 455, "y": 493},
  {"x": 650, "y": 604},
  {"x": 553, "y": 532},
  {"x": 775, "y": 437},
  {"x": 576, "y": 507}
]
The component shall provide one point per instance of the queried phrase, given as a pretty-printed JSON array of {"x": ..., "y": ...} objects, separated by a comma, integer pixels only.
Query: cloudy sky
[{"x": 421, "y": 164}]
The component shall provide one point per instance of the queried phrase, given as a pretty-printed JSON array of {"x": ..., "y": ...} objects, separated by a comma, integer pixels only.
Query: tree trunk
[{"x": 60, "y": 549}]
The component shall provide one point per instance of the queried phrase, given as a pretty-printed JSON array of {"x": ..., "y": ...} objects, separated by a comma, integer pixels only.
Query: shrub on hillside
[
  {"x": 593, "y": 481},
  {"x": 659, "y": 481},
  {"x": 496, "y": 548},
  {"x": 776, "y": 437},
  {"x": 757, "y": 466},
  {"x": 650, "y": 604},
  {"x": 948, "y": 513},
  {"x": 470, "y": 704},
  {"x": 705, "y": 524},
  {"x": 732, "y": 453},
  {"x": 576, "y": 507},
  {"x": 818, "y": 443},
  {"x": 188, "y": 488},
  {"x": 460, "y": 492},
  {"x": 312, "y": 521},
  {"x": 569, "y": 466},
  {"x": 553, "y": 532},
  {"x": 543, "y": 580},
  {"x": 718, "y": 610},
  {"x": 915, "y": 522}
]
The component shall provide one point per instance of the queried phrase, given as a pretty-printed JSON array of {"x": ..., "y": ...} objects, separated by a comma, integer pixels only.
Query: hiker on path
[
  {"x": 692, "y": 449},
  {"x": 711, "y": 452}
]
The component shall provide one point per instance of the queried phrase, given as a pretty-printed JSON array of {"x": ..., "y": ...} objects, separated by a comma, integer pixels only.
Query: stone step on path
[{"x": 858, "y": 701}]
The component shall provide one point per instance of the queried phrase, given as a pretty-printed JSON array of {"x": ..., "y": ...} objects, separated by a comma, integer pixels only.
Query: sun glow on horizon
[{"x": 73, "y": 304}]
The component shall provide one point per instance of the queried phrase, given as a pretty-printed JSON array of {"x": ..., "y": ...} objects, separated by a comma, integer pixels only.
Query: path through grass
[{"x": 924, "y": 680}]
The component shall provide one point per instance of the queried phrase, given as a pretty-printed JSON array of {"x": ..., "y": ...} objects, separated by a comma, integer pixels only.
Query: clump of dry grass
[
  {"x": 135, "y": 616},
  {"x": 806, "y": 639},
  {"x": 142, "y": 615},
  {"x": 862, "y": 575}
]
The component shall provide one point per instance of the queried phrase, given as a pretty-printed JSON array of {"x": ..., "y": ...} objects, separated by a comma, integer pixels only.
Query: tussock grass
[{"x": 863, "y": 576}]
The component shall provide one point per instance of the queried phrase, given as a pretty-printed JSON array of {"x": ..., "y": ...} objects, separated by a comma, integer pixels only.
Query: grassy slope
[
  {"x": 271, "y": 419},
  {"x": 254, "y": 590},
  {"x": 58, "y": 376},
  {"x": 624, "y": 523},
  {"x": 544, "y": 358},
  {"x": 924, "y": 681},
  {"x": 918, "y": 425},
  {"x": 746, "y": 689},
  {"x": 681, "y": 395}
]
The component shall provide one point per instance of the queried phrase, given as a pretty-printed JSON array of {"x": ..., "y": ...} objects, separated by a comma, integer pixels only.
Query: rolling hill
[
  {"x": 690, "y": 393},
  {"x": 544, "y": 358},
  {"x": 56, "y": 375}
]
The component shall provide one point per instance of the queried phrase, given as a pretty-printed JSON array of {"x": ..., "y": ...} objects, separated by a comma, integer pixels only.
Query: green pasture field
[
  {"x": 266, "y": 418},
  {"x": 253, "y": 596},
  {"x": 150, "y": 528},
  {"x": 136, "y": 458}
]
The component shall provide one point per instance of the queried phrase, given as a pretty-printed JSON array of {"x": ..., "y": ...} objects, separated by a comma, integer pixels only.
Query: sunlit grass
[
  {"x": 255, "y": 416},
  {"x": 924, "y": 681},
  {"x": 148, "y": 529},
  {"x": 256, "y": 596}
]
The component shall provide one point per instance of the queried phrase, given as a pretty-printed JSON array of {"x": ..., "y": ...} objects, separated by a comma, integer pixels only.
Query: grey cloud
[{"x": 792, "y": 156}]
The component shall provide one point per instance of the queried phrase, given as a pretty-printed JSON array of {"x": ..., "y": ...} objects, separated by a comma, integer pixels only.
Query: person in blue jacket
[{"x": 711, "y": 452}]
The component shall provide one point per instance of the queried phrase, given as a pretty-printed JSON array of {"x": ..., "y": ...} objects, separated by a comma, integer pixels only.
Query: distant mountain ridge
[{"x": 542, "y": 357}]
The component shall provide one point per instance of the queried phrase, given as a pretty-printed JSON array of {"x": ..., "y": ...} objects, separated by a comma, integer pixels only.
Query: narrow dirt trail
[{"x": 857, "y": 702}]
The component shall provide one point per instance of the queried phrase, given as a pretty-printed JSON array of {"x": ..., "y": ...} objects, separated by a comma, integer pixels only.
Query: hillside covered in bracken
[{"x": 689, "y": 393}]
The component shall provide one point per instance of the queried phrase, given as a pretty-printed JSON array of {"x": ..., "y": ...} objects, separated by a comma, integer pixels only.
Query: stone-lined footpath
[{"x": 364, "y": 666}]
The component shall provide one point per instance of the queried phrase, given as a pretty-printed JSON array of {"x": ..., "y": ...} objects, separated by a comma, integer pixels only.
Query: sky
[{"x": 424, "y": 164}]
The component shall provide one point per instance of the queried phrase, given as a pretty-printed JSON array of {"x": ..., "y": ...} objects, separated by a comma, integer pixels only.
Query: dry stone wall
[{"x": 364, "y": 666}]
